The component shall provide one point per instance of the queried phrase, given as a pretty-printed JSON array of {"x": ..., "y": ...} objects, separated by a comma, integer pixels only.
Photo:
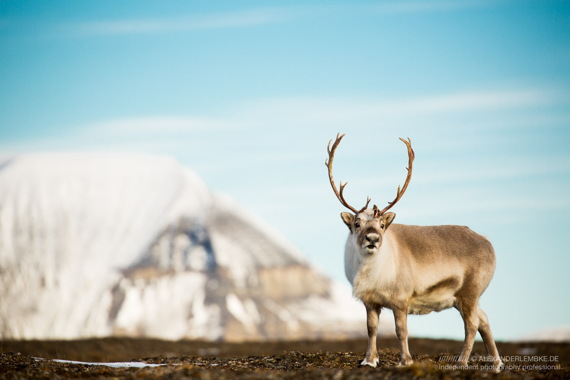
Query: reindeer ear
[
  {"x": 376, "y": 212},
  {"x": 347, "y": 218},
  {"x": 388, "y": 218}
]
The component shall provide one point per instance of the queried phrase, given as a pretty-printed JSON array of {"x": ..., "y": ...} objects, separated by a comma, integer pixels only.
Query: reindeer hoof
[
  {"x": 405, "y": 362},
  {"x": 498, "y": 366},
  {"x": 369, "y": 362}
]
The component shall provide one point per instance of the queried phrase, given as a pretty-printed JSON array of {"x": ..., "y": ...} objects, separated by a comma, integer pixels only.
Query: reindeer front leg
[
  {"x": 401, "y": 319},
  {"x": 372, "y": 318}
]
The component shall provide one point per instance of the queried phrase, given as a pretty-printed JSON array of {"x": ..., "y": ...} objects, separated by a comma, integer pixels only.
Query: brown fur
[{"x": 419, "y": 269}]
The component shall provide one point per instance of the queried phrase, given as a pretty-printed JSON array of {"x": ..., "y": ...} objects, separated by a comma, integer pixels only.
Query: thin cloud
[
  {"x": 520, "y": 169},
  {"x": 160, "y": 124},
  {"x": 428, "y": 6},
  {"x": 506, "y": 207},
  {"x": 473, "y": 101},
  {"x": 329, "y": 114},
  {"x": 241, "y": 19},
  {"x": 249, "y": 18},
  {"x": 326, "y": 109}
]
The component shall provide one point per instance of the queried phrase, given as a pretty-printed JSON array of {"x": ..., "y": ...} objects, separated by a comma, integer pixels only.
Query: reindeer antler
[
  {"x": 401, "y": 192},
  {"x": 329, "y": 164}
]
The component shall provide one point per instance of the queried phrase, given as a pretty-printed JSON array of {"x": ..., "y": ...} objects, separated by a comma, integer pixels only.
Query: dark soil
[{"x": 275, "y": 360}]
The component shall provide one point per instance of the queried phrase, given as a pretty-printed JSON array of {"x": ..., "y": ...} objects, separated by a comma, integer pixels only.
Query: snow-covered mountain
[{"x": 133, "y": 245}]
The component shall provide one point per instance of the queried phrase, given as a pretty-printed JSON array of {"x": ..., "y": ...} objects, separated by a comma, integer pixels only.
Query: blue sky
[{"x": 248, "y": 94}]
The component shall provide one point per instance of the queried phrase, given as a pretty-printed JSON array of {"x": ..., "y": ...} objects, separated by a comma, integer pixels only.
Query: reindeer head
[{"x": 367, "y": 226}]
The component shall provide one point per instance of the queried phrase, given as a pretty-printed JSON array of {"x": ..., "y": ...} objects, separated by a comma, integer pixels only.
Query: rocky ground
[{"x": 277, "y": 360}]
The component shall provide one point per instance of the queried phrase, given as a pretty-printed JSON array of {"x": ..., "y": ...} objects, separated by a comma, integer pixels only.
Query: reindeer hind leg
[{"x": 485, "y": 331}]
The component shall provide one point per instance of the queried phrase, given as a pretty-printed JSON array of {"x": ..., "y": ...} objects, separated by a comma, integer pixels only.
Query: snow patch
[
  {"x": 246, "y": 312},
  {"x": 112, "y": 364}
]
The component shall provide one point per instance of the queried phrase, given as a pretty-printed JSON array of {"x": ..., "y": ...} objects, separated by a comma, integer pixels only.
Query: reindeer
[{"x": 414, "y": 269}]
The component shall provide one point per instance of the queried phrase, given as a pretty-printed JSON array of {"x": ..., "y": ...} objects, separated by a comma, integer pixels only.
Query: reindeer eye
[{"x": 357, "y": 225}]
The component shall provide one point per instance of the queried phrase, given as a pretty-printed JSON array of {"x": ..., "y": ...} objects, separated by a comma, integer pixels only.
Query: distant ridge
[{"x": 553, "y": 334}]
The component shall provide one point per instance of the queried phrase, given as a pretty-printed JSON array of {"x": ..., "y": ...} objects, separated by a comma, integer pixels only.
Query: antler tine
[
  {"x": 329, "y": 164},
  {"x": 400, "y": 192}
]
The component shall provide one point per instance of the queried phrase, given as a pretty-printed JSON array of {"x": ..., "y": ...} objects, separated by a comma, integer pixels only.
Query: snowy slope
[{"x": 133, "y": 245}]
